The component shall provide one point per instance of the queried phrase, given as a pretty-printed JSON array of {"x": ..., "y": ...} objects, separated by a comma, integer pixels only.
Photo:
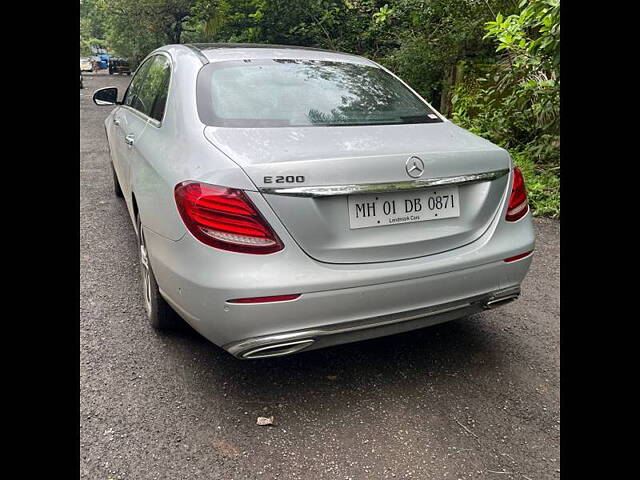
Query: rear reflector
[
  {"x": 224, "y": 218},
  {"x": 518, "y": 205},
  {"x": 275, "y": 298},
  {"x": 518, "y": 257}
]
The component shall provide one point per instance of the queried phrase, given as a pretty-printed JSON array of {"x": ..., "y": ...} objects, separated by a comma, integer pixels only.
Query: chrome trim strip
[
  {"x": 253, "y": 344},
  {"x": 333, "y": 190}
]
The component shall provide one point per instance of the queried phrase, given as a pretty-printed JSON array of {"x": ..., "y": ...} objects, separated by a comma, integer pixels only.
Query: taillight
[
  {"x": 518, "y": 205},
  {"x": 224, "y": 218}
]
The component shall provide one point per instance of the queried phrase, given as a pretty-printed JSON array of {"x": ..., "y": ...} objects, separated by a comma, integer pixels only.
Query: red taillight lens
[
  {"x": 518, "y": 205},
  {"x": 275, "y": 298},
  {"x": 224, "y": 218}
]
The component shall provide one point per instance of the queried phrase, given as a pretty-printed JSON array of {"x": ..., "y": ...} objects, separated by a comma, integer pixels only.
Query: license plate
[{"x": 377, "y": 210}]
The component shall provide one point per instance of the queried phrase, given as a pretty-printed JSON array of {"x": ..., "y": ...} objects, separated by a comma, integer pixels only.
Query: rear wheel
[
  {"x": 116, "y": 184},
  {"x": 161, "y": 316}
]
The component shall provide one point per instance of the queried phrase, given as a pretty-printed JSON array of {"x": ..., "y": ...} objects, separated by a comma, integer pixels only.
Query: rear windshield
[{"x": 282, "y": 93}]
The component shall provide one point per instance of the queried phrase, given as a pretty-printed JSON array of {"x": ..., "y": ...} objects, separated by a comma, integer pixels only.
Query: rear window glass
[{"x": 279, "y": 93}]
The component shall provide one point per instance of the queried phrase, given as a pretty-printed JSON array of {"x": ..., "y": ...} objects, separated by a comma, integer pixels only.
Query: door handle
[
  {"x": 129, "y": 139},
  {"x": 116, "y": 122}
]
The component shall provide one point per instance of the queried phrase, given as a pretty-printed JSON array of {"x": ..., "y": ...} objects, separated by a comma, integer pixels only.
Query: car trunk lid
[{"x": 305, "y": 174}]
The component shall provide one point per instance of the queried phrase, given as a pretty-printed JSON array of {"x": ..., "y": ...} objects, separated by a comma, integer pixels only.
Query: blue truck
[{"x": 100, "y": 57}]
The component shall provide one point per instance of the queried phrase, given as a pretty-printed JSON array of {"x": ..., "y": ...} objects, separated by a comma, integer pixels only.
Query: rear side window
[
  {"x": 149, "y": 95},
  {"x": 130, "y": 97},
  {"x": 153, "y": 90},
  {"x": 158, "y": 76}
]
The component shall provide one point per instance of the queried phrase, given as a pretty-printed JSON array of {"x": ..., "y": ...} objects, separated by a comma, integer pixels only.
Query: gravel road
[{"x": 477, "y": 398}]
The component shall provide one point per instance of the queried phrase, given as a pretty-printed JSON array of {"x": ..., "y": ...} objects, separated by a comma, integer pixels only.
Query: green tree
[
  {"x": 517, "y": 103},
  {"x": 136, "y": 27},
  {"x": 425, "y": 40},
  {"x": 92, "y": 26}
]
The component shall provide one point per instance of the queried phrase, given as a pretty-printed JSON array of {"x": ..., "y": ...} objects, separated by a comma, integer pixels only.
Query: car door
[
  {"x": 129, "y": 121},
  {"x": 147, "y": 137},
  {"x": 115, "y": 135}
]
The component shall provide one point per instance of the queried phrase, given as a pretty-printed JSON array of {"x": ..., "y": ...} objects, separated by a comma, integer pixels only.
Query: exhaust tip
[
  {"x": 497, "y": 302},
  {"x": 277, "y": 349}
]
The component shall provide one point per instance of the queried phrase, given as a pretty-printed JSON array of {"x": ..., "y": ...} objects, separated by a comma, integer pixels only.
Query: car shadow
[{"x": 446, "y": 354}]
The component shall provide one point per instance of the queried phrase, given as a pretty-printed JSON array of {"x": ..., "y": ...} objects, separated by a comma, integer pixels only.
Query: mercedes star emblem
[{"x": 415, "y": 167}]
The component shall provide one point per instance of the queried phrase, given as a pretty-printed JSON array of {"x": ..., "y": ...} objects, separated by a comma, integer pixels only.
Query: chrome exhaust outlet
[
  {"x": 277, "y": 349},
  {"x": 497, "y": 302}
]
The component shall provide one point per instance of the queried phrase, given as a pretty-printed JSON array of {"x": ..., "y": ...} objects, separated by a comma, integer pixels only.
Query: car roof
[{"x": 216, "y": 52}]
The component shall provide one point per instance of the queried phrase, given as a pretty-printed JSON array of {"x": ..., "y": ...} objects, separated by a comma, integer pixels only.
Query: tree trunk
[
  {"x": 453, "y": 76},
  {"x": 176, "y": 27},
  {"x": 449, "y": 82},
  {"x": 177, "y": 32}
]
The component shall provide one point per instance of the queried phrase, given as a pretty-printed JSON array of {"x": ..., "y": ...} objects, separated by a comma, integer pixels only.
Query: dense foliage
[
  {"x": 493, "y": 66},
  {"x": 515, "y": 102}
]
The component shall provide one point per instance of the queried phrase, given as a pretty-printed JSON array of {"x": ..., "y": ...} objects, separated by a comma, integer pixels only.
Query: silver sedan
[{"x": 288, "y": 199}]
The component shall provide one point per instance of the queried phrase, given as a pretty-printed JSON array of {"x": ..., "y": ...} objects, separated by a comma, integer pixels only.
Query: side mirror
[{"x": 106, "y": 96}]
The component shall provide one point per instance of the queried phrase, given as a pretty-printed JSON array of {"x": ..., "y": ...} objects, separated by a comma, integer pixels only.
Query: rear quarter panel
[{"x": 175, "y": 151}]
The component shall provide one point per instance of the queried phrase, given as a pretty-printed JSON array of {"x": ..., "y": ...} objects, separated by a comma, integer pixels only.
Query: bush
[{"x": 515, "y": 102}]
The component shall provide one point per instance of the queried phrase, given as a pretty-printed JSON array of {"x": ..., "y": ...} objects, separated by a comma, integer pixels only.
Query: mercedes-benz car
[{"x": 288, "y": 199}]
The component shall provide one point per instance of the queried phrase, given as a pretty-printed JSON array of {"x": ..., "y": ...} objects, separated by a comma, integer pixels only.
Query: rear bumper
[
  {"x": 320, "y": 318},
  {"x": 310, "y": 339}
]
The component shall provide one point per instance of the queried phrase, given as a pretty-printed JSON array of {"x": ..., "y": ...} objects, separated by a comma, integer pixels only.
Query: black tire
[
  {"x": 159, "y": 313},
  {"x": 116, "y": 184}
]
